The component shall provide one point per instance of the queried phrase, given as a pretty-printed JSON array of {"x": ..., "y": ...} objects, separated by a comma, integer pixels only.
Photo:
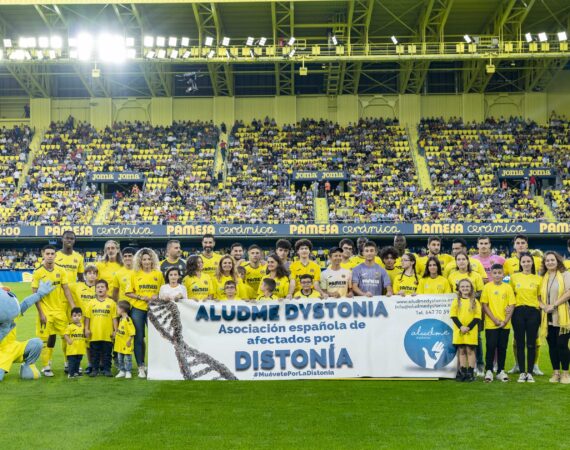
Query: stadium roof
[{"x": 353, "y": 22}]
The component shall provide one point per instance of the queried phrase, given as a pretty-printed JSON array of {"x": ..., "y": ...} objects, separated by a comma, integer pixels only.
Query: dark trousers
[
  {"x": 74, "y": 361},
  {"x": 139, "y": 321},
  {"x": 526, "y": 321},
  {"x": 101, "y": 352},
  {"x": 496, "y": 340},
  {"x": 558, "y": 348}
]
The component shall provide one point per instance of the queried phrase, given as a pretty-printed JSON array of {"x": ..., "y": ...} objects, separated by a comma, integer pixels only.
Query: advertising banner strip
[
  {"x": 520, "y": 173},
  {"x": 116, "y": 177},
  {"x": 290, "y": 230},
  {"x": 381, "y": 337},
  {"x": 332, "y": 175}
]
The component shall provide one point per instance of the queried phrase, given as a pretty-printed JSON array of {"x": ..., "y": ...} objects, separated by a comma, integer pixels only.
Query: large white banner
[{"x": 334, "y": 338}]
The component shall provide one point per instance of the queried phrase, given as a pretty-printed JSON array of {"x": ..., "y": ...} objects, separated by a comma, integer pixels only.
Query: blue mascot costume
[{"x": 11, "y": 350}]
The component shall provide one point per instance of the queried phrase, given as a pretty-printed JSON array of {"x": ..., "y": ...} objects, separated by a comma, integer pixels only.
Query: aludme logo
[{"x": 429, "y": 344}]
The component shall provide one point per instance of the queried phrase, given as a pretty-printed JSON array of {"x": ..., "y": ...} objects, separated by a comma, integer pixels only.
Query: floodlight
[
  {"x": 562, "y": 36},
  {"x": 52, "y": 54},
  {"x": 40, "y": 55},
  {"x": 528, "y": 37},
  {"x": 27, "y": 42},
  {"x": 467, "y": 39},
  {"x": 208, "y": 41},
  {"x": 130, "y": 42},
  {"x": 160, "y": 41},
  {"x": 174, "y": 54},
  {"x": 186, "y": 54},
  {"x": 161, "y": 54},
  {"x": 291, "y": 41},
  {"x": 7, "y": 43},
  {"x": 184, "y": 42},
  {"x": 334, "y": 40},
  {"x": 56, "y": 42},
  {"x": 292, "y": 53},
  {"x": 148, "y": 41},
  {"x": 84, "y": 46},
  {"x": 150, "y": 54},
  {"x": 131, "y": 53},
  {"x": 73, "y": 54},
  {"x": 72, "y": 42},
  {"x": 210, "y": 54},
  {"x": 394, "y": 40},
  {"x": 172, "y": 41},
  {"x": 111, "y": 48},
  {"x": 542, "y": 37},
  {"x": 249, "y": 41},
  {"x": 262, "y": 41},
  {"x": 225, "y": 41},
  {"x": 43, "y": 42}
]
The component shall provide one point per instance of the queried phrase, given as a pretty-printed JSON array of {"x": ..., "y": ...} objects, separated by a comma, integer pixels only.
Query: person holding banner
[
  {"x": 143, "y": 288},
  {"x": 526, "y": 319},
  {"x": 336, "y": 281},
  {"x": 307, "y": 291},
  {"x": 227, "y": 270},
  {"x": 198, "y": 285},
  {"x": 172, "y": 291},
  {"x": 407, "y": 282},
  {"x": 432, "y": 281},
  {"x": 465, "y": 313},
  {"x": 304, "y": 266},
  {"x": 555, "y": 292},
  {"x": 284, "y": 286},
  {"x": 369, "y": 279}
]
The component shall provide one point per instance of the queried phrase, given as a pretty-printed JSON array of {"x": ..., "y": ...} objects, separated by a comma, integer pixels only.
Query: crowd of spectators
[
  {"x": 14, "y": 149},
  {"x": 463, "y": 159}
]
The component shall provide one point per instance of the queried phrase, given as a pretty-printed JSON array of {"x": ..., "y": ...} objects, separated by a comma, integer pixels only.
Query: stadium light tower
[{"x": 394, "y": 40}]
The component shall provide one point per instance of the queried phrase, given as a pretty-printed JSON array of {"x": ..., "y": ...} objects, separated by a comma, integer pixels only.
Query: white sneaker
[
  {"x": 488, "y": 376},
  {"x": 121, "y": 374},
  {"x": 47, "y": 372},
  {"x": 502, "y": 376},
  {"x": 522, "y": 378},
  {"x": 515, "y": 369},
  {"x": 529, "y": 378},
  {"x": 142, "y": 372},
  {"x": 536, "y": 370},
  {"x": 128, "y": 375}
]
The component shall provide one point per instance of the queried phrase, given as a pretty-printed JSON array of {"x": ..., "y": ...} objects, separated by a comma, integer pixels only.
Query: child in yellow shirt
[
  {"x": 267, "y": 287},
  {"x": 124, "y": 340},
  {"x": 75, "y": 338}
]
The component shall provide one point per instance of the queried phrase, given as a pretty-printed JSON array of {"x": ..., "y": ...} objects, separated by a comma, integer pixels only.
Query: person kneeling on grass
[
  {"x": 124, "y": 339},
  {"x": 498, "y": 301},
  {"x": 101, "y": 327},
  {"x": 466, "y": 315},
  {"x": 76, "y": 345}
]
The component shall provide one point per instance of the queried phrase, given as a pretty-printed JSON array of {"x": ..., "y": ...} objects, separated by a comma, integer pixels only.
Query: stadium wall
[{"x": 288, "y": 109}]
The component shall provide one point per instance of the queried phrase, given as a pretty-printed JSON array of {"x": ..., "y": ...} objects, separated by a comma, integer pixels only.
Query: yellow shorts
[
  {"x": 10, "y": 353},
  {"x": 56, "y": 324}
]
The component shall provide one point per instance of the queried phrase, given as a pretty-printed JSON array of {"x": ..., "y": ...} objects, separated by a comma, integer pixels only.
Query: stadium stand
[{"x": 14, "y": 150}]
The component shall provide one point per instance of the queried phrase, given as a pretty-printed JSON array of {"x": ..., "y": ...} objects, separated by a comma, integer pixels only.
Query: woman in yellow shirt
[
  {"x": 198, "y": 284},
  {"x": 526, "y": 316},
  {"x": 144, "y": 287},
  {"x": 465, "y": 313},
  {"x": 225, "y": 271},
  {"x": 433, "y": 282},
  {"x": 284, "y": 285},
  {"x": 464, "y": 270},
  {"x": 406, "y": 283}
]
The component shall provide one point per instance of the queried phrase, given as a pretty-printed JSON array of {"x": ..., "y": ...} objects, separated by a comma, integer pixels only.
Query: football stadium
[{"x": 284, "y": 224}]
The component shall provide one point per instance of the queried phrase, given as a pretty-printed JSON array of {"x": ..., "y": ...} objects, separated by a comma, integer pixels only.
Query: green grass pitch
[{"x": 104, "y": 413}]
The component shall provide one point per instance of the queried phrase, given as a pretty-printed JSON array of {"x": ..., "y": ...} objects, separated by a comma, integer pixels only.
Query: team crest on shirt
[
  {"x": 155, "y": 279},
  {"x": 57, "y": 275},
  {"x": 311, "y": 270},
  {"x": 343, "y": 276},
  {"x": 518, "y": 285},
  {"x": 75, "y": 261},
  {"x": 497, "y": 293}
]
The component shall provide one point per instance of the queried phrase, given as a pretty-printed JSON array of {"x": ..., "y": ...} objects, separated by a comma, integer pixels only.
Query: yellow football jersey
[
  {"x": 101, "y": 315},
  {"x": 107, "y": 272},
  {"x": 298, "y": 269},
  {"x": 122, "y": 279},
  {"x": 526, "y": 288},
  {"x": 421, "y": 261},
  {"x": 476, "y": 266},
  {"x": 254, "y": 275},
  {"x": 199, "y": 288},
  {"x": 77, "y": 335},
  {"x": 218, "y": 285},
  {"x": 406, "y": 284},
  {"x": 512, "y": 264},
  {"x": 313, "y": 294},
  {"x": 55, "y": 301},
  {"x": 82, "y": 294},
  {"x": 359, "y": 259},
  {"x": 498, "y": 297},
  {"x": 474, "y": 277},
  {"x": 125, "y": 331},
  {"x": 281, "y": 287},
  {"x": 73, "y": 264},
  {"x": 462, "y": 310},
  {"x": 210, "y": 264},
  {"x": 145, "y": 284},
  {"x": 437, "y": 285}
]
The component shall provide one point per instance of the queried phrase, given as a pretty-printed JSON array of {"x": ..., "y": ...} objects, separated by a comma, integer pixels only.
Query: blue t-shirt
[{"x": 373, "y": 279}]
